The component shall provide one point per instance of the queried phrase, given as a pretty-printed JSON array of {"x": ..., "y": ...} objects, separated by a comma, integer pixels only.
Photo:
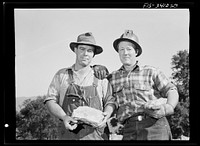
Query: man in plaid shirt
[{"x": 144, "y": 94}]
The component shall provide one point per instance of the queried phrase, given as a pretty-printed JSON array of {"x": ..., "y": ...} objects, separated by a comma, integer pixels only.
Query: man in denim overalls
[{"x": 77, "y": 86}]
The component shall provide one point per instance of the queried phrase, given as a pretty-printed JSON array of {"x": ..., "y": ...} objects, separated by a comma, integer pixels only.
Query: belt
[{"x": 138, "y": 117}]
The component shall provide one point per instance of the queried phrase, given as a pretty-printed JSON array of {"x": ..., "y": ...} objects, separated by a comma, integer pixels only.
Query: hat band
[{"x": 85, "y": 42}]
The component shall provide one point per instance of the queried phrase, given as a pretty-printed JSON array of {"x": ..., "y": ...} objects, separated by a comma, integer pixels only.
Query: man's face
[
  {"x": 84, "y": 54},
  {"x": 127, "y": 53}
]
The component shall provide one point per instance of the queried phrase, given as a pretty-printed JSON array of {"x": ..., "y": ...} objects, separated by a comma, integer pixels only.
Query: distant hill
[{"x": 20, "y": 101}]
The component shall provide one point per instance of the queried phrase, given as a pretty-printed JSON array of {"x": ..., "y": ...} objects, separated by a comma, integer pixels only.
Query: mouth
[
  {"x": 85, "y": 59},
  {"x": 126, "y": 57}
]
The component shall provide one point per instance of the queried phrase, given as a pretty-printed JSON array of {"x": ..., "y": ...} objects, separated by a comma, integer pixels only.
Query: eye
[
  {"x": 129, "y": 48},
  {"x": 81, "y": 48},
  {"x": 90, "y": 50},
  {"x": 121, "y": 49}
]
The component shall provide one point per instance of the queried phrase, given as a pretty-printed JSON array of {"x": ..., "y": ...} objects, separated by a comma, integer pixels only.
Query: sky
[{"x": 42, "y": 38}]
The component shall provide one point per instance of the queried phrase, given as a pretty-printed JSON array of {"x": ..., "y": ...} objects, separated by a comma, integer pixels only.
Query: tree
[
  {"x": 180, "y": 68},
  {"x": 179, "y": 121},
  {"x": 34, "y": 122}
]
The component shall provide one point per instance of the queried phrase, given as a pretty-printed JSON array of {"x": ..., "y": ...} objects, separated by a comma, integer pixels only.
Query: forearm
[
  {"x": 55, "y": 109},
  {"x": 172, "y": 101},
  {"x": 109, "y": 109},
  {"x": 172, "y": 98}
]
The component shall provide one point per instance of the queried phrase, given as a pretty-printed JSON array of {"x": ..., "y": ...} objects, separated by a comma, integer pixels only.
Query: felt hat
[
  {"x": 128, "y": 35},
  {"x": 86, "y": 39}
]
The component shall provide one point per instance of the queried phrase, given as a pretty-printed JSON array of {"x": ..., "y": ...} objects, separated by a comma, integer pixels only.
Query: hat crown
[
  {"x": 128, "y": 34},
  {"x": 86, "y": 37}
]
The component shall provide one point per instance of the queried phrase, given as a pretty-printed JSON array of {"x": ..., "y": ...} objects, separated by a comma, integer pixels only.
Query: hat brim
[
  {"x": 138, "y": 47},
  {"x": 98, "y": 49}
]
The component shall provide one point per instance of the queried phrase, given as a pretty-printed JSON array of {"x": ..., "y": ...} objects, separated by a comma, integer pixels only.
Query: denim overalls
[{"x": 76, "y": 96}]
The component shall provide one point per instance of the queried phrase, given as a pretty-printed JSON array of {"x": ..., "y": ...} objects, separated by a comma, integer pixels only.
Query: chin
[
  {"x": 84, "y": 64},
  {"x": 127, "y": 63}
]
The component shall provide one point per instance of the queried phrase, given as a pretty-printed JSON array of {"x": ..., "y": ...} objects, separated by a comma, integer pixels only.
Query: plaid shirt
[{"x": 133, "y": 89}]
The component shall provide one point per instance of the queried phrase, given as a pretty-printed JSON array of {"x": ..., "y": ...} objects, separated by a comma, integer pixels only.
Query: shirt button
[{"x": 126, "y": 85}]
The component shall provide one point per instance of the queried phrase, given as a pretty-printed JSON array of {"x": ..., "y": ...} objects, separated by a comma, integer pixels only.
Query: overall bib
[{"x": 76, "y": 96}]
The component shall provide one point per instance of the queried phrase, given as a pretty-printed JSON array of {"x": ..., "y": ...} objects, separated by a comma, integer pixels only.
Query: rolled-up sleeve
[
  {"x": 53, "y": 90},
  {"x": 108, "y": 99},
  {"x": 162, "y": 83}
]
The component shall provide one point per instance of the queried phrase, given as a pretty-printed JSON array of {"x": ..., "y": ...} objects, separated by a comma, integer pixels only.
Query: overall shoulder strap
[
  {"x": 95, "y": 81},
  {"x": 97, "y": 90},
  {"x": 70, "y": 73}
]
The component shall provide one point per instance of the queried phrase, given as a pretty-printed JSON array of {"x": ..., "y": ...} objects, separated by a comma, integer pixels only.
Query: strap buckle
[{"x": 140, "y": 118}]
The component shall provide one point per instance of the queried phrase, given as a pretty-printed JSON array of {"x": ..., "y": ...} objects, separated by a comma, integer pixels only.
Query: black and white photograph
[{"x": 114, "y": 74}]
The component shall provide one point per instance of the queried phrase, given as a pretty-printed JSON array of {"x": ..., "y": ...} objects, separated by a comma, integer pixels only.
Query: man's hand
[
  {"x": 69, "y": 122},
  {"x": 114, "y": 126},
  {"x": 156, "y": 108},
  {"x": 100, "y": 71},
  {"x": 157, "y": 111},
  {"x": 105, "y": 119}
]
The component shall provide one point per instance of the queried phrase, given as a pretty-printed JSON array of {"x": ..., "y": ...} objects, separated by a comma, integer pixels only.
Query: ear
[
  {"x": 94, "y": 53},
  {"x": 136, "y": 52},
  {"x": 75, "y": 49},
  {"x": 94, "y": 50}
]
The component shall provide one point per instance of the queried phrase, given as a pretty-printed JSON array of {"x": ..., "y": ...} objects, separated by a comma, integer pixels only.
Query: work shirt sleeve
[
  {"x": 162, "y": 83},
  {"x": 108, "y": 99},
  {"x": 53, "y": 90}
]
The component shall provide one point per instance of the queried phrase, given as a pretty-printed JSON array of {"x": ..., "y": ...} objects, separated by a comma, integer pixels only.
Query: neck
[
  {"x": 129, "y": 67},
  {"x": 81, "y": 69}
]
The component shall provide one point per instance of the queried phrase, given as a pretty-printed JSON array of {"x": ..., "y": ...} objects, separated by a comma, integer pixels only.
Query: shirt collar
[
  {"x": 73, "y": 66},
  {"x": 136, "y": 68}
]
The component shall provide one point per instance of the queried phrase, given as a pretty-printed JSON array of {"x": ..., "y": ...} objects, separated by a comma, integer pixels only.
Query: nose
[
  {"x": 85, "y": 52},
  {"x": 125, "y": 51}
]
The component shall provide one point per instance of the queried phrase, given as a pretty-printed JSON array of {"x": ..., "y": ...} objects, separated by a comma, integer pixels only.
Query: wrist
[
  {"x": 107, "y": 114},
  {"x": 171, "y": 105},
  {"x": 63, "y": 117},
  {"x": 109, "y": 108},
  {"x": 169, "y": 109}
]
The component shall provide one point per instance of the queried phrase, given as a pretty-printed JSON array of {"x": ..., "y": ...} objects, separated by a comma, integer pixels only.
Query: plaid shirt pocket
[
  {"x": 143, "y": 92},
  {"x": 142, "y": 86}
]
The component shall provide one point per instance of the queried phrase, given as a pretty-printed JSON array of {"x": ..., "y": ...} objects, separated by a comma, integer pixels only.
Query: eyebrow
[{"x": 90, "y": 49}]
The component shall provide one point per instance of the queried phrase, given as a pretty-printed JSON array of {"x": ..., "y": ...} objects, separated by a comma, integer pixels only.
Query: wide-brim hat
[
  {"x": 128, "y": 35},
  {"x": 86, "y": 39}
]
